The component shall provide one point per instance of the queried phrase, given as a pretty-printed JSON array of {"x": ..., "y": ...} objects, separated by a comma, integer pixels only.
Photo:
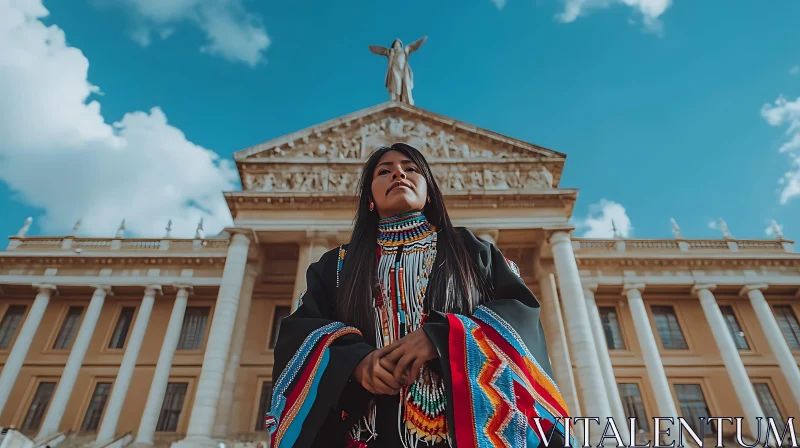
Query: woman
[{"x": 415, "y": 334}]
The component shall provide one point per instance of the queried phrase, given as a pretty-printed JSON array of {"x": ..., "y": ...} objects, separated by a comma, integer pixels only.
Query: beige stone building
[{"x": 120, "y": 341}]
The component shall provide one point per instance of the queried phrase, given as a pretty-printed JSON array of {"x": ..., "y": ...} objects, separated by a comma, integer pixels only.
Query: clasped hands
[{"x": 385, "y": 371}]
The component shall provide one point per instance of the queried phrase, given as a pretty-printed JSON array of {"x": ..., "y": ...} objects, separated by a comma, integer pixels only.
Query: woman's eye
[
  {"x": 382, "y": 172},
  {"x": 411, "y": 168}
]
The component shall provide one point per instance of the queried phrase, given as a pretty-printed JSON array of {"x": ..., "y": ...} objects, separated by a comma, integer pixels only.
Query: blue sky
[{"x": 665, "y": 109}]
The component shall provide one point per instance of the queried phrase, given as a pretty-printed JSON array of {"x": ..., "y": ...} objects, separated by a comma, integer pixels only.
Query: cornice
[
  {"x": 685, "y": 263},
  {"x": 68, "y": 261},
  {"x": 248, "y": 200}
]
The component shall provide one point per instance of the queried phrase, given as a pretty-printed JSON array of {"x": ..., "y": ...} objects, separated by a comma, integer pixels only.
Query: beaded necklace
[{"x": 406, "y": 251}]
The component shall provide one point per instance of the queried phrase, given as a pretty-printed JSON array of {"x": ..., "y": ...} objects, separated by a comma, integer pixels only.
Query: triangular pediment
[
  {"x": 352, "y": 137},
  {"x": 325, "y": 159}
]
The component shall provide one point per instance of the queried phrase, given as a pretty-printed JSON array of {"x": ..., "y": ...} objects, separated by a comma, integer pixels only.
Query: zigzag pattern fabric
[
  {"x": 296, "y": 389},
  {"x": 498, "y": 386}
]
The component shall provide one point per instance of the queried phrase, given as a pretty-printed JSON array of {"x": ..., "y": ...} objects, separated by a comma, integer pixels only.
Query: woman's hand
[
  {"x": 408, "y": 355},
  {"x": 374, "y": 377}
]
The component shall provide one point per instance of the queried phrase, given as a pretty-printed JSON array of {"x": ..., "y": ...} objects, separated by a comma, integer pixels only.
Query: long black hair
[{"x": 455, "y": 286}]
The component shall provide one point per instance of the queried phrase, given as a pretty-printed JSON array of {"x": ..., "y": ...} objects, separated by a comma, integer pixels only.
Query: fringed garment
[{"x": 490, "y": 387}]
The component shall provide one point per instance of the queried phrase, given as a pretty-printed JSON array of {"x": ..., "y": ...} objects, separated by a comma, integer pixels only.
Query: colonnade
[{"x": 581, "y": 362}]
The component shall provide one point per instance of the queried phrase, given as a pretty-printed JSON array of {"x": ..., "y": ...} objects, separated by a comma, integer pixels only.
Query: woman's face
[{"x": 398, "y": 185}]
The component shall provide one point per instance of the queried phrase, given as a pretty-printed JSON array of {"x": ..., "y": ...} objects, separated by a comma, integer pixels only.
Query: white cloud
[
  {"x": 499, "y": 3},
  {"x": 787, "y": 113},
  {"x": 232, "y": 32},
  {"x": 713, "y": 225},
  {"x": 794, "y": 70},
  {"x": 601, "y": 216},
  {"x": 58, "y": 153},
  {"x": 650, "y": 10}
]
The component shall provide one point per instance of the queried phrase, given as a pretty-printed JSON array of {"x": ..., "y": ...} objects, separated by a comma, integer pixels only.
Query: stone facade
[{"x": 169, "y": 340}]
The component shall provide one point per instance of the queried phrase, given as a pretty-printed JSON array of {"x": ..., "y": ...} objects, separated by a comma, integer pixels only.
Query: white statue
[
  {"x": 200, "y": 233},
  {"x": 25, "y": 227},
  {"x": 399, "y": 77},
  {"x": 724, "y": 228},
  {"x": 121, "y": 229},
  {"x": 675, "y": 229},
  {"x": 776, "y": 229},
  {"x": 76, "y": 227},
  {"x": 168, "y": 229}
]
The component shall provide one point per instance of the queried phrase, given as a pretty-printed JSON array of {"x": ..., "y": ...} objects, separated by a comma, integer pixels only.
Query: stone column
[
  {"x": 23, "y": 343},
  {"x": 783, "y": 354},
  {"x": 665, "y": 404},
  {"x": 557, "y": 347},
  {"x": 58, "y": 404},
  {"x": 310, "y": 252},
  {"x": 234, "y": 359},
  {"x": 742, "y": 385},
  {"x": 489, "y": 235},
  {"x": 158, "y": 387},
  {"x": 108, "y": 426},
  {"x": 595, "y": 401},
  {"x": 607, "y": 368},
  {"x": 204, "y": 409},
  {"x": 303, "y": 262}
]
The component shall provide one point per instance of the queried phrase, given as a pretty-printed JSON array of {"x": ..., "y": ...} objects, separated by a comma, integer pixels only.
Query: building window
[
  {"x": 669, "y": 330},
  {"x": 634, "y": 406},
  {"x": 171, "y": 407},
  {"x": 9, "y": 324},
  {"x": 41, "y": 399},
  {"x": 96, "y": 406},
  {"x": 789, "y": 326},
  {"x": 608, "y": 315},
  {"x": 280, "y": 313},
  {"x": 693, "y": 407},
  {"x": 121, "y": 329},
  {"x": 767, "y": 402},
  {"x": 734, "y": 328},
  {"x": 69, "y": 328},
  {"x": 263, "y": 405},
  {"x": 193, "y": 331}
]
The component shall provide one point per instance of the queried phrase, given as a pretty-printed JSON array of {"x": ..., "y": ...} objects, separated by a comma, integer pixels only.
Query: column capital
[
  {"x": 633, "y": 287},
  {"x": 701, "y": 286},
  {"x": 240, "y": 238},
  {"x": 753, "y": 287},
  {"x": 104, "y": 287},
  {"x": 321, "y": 235},
  {"x": 238, "y": 231},
  {"x": 155, "y": 289},
  {"x": 591, "y": 287},
  {"x": 42, "y": 287},
  {"x": 560, "y": 236},
  {"x": 184, "y": 287}
]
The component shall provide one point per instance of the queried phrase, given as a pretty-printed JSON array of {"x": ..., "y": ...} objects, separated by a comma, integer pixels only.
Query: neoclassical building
[{"x": 120, "y": 341}]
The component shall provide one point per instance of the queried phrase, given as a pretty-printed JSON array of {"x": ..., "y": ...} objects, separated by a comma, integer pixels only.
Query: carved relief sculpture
[
  {"x": 541, "y": 178},
  {"x": 357, "y": 145},
  {"x": 451, "y": 177}
]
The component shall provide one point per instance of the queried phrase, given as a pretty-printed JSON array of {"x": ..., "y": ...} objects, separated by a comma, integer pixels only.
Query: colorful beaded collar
[{"x": 406, "y": 228}]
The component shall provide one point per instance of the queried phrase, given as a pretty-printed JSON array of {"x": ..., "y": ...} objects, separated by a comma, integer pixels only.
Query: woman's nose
[{"x": 398, "y": 174}]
